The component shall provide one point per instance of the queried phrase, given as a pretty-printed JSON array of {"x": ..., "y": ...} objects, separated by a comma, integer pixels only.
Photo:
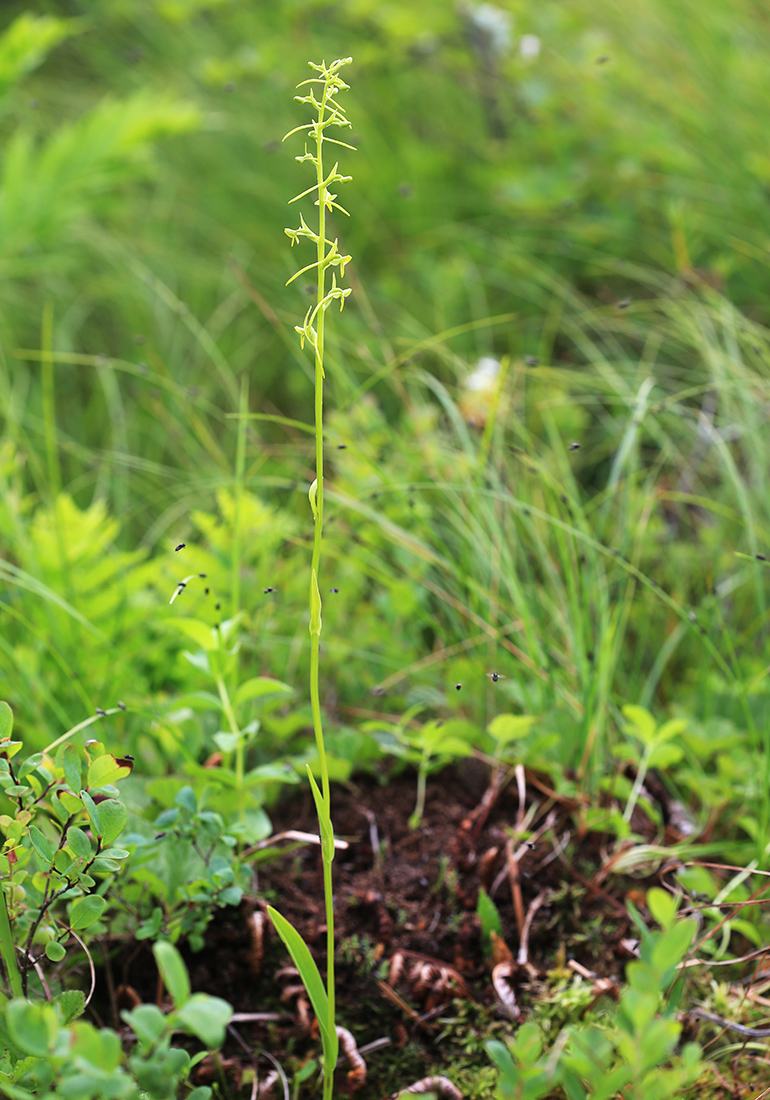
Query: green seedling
[
  {"x": 657, "y": 750},
  {"x": 329, "y": 113},
  {"x": 231, "y": 789},
  {"x": 430, "y": 747},
  {"x": 60, "y": 824}
]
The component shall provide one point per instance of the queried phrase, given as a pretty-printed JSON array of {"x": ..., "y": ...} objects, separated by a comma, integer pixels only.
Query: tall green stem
[
  {"x": 329, "y": 113},
  {"x": 315, "y": 638}
]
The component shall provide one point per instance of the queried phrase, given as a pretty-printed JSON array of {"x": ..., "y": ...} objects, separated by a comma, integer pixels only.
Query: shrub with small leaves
[
  {"x": 48, "y": 1052},
  {"x": 62, "y": 818}
]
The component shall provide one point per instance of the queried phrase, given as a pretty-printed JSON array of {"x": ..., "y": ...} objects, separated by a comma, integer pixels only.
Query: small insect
[
  {"x": 692, "y": 617},
  {"x": 342, "y": 446},
  {"x": 206, "y": 591},
  {"x": 101, "y": 713},
  {"x": 531, "y": 845},
  {"x": 266, "y": 591},
  {"x": 531, "y": 360},
  {"x": 564, "y": 498},
  {"x": 202, "y": 576},
  {"x": 495, "y": 676},
  {"x": 760, "y": 557},
  {"x": 602, "y": 59},
  {"x": 458, "y": 686},
  {"x": 181, "y": 546},
  {"x": 335, "y": 590},
  {"x": 122, "y": 705},
  {"x": 624, "y": 303},
  {"x": 574, "y": 446},
  {"x": 218, "y": 606}
]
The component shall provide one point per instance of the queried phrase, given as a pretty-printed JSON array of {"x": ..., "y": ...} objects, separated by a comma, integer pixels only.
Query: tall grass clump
[{"x": 328, "y": 257}]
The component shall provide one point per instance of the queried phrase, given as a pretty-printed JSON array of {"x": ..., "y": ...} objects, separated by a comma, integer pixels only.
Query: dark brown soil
[{"x": 412, "y": 894}]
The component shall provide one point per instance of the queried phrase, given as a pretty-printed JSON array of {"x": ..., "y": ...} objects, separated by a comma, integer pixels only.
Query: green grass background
[{"x": 595, "y": 217}]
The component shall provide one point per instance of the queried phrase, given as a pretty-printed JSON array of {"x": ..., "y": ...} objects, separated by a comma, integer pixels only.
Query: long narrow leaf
[{"x": 311, "y": 977}]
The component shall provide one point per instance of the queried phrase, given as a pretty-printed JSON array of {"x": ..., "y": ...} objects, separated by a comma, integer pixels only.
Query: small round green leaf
[{"x": 54, "y": 951}]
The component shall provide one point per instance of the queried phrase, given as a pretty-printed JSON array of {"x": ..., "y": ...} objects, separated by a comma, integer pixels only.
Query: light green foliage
[
  {"x": 48, "y": 1054},
  {"x": 49, "y": 189},
  {"x": 634, "y": 1053},
  {"x": 186, "y": 868},
  {"x": 50, "y": 869},
  {"x": 27, "y": 42},
  {"x": 429, "y": 746}
]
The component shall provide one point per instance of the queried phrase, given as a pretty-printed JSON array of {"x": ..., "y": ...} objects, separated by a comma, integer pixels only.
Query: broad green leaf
[
  {"x": 173, "y": 972},
  {"x": 147, "y": 1022},
  {"x": 32, "y": 1027},
  {"x": 54, "y": 951},
  {"x": 501, "y": 1056},
  {"x": 105, "y": 770},
  {"x": 206, "y": 1017},
  {"x": 71, "y": 1004},
  {"x": 79, "y": 842},
  {"x": 663, "y": 756},
  {"x": 73, "y": 771},
  {"x": 195, "y": 629},
  {"x": 271, "y": 773},
  {"x": 510, "y": 727},
  {"x": 311, "y": 978},
  {"x": 112, "y": 818},
  {"x": 642, "y": 722},
  {"x": 92, "y": 811},
  {"x": 673, "y": 944},
  {"x": 187, "y": 800},
  {"x": 670, "y": 729},
  {"x": 29, "y": 765},
  {"x": 227, "y": 742},
  {"x": 324, "y": 820},
  {"x": 6, "y": 721},
  {"x": 257, "y": 687},
  {"x": 86, "y": 911},
  {"x": 662, "y": 905},
  {"x": 41, "y": 844},
  {"x": 72, "y": 804}
]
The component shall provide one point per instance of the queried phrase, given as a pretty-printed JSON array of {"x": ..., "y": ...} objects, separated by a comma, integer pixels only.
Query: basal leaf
[{"x": 311, "y": 978}]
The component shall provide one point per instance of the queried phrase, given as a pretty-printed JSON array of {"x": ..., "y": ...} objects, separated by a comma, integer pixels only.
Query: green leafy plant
[
  {"x": 59, "y": 851},
  {"x": 329, "y": 113},
  {"x": 626, "y": 1055},
  {"x": 658, "y": 750},
  {"x": 49, "y": 1052},
  {"x": 429, "y": 746}
]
